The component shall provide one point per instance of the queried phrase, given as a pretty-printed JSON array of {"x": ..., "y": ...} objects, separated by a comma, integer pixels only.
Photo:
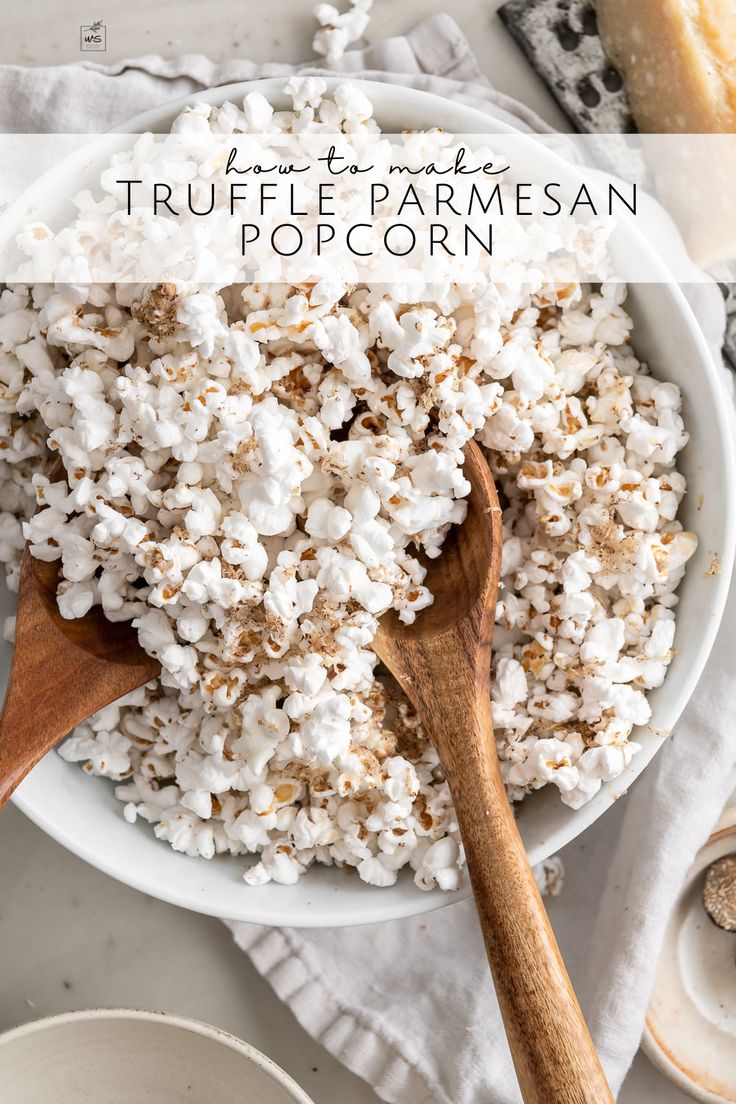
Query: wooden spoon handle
[{"x": 553, "y": 1052}]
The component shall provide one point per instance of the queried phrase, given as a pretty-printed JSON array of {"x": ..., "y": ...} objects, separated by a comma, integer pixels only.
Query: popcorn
[
  {"x": 550, "y": 876},
  {"x": 440, "y": 866},
  {"x": 337, "y": 31},
  {"x": 250, "y": 474}
]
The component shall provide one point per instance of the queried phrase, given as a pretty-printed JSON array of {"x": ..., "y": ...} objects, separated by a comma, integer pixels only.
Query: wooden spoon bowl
[{"x": 63, "y": 671}]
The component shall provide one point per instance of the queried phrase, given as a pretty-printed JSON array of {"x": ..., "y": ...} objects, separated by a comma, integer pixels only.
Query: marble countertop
[{"x": 70, "y": 937}]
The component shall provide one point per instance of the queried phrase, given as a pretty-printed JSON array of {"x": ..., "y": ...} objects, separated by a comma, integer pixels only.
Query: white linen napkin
[{"x": 408, "y": 1005}]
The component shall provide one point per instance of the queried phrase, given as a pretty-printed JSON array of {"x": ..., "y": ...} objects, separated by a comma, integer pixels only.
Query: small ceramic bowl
[
  {"x": 690, "y": 1031},
  {"x": 115, "y": 1056}
]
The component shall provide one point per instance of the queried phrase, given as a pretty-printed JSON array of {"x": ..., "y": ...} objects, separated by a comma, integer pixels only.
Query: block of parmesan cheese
[{"x": 677, "y": 59}]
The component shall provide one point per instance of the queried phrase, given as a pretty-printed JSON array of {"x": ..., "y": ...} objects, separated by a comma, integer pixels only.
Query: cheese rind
[{"x": 678, "y": 61}]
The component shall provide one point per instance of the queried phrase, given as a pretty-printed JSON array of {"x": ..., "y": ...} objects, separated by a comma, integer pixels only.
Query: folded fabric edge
[
  {"x": 436, "y": 45},
  {"x": 350, "y": 1038}
]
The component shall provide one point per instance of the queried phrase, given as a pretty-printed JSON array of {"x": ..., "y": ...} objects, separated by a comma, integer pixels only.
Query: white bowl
[
  {"x": 115, "y": 1056},
  {"x": 690, "y": 1029},
  {"x": 82, "y": 812}
]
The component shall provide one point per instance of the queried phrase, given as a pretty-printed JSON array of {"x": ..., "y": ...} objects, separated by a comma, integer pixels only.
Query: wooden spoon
[
  {"x": 443, "y": 662},
  {"x": 62, "y": 671}
]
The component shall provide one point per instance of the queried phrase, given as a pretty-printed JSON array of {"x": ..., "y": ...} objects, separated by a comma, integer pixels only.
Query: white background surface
[{"x": 69, "y": 936}]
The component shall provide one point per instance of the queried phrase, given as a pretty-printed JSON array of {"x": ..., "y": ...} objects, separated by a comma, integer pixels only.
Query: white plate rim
[
  {"x": 152, "y": 1016},
  {"x": 652, "y": 1043}
]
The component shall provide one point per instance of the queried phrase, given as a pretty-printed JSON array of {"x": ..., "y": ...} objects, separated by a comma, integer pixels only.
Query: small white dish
[
  {"x": 690, "y": 1030},
  {"x": 116, "y": 1056}
]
